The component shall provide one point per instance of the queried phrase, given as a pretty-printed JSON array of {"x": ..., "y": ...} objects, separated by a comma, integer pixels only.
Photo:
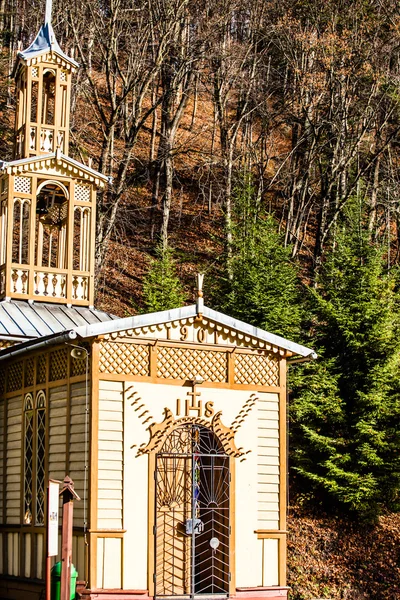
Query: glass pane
[
  {"x": 40, "y": 465},
  {"x": 28, "y": 467}
]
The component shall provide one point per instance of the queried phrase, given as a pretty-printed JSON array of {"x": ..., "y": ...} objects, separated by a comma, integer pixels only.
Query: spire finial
[
  {"x": 200, "y": 302},
  {"x": 47, "y": 16}
]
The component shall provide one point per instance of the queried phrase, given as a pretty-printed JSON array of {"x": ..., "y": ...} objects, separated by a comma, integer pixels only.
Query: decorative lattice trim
[
  {"x": 78, "y": 367},
  {"x": 82, "y": 192},
  {"x": 256, "y": 369},
  {"x": 58, "y": 364},
  {"x": 23, "y": 185},
  {"x": 29, "y": 372},
  {"x": 127, "y": 359},
  {"x": 14, "y": 381},
  {"x": 5, "y": 344},
  {"x": 186, "y": 363},
  {"x": 41, "y": 369}
]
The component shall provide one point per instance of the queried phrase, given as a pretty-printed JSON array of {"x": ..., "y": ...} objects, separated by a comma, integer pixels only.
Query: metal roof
[
  {"x": 45, "y": 41},
  {"x": 57, "y": 156},
  {"x": 186, "y": 312},
  {"x": 22, "y": 320},
  {"x": 97, "y": 323}
]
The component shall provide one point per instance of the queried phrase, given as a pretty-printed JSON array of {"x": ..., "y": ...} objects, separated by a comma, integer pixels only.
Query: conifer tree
[
  {"x": 264, "y": 287},
  {"x": 345, "y": 412},
  {"x": 162, "y": 289}
]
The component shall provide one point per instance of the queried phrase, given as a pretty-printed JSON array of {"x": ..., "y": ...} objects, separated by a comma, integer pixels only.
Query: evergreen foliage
[
  {"x": 345, "y": 412},
  {"x": 263, "y": 288},
  {"x": 162, "y": 289}
]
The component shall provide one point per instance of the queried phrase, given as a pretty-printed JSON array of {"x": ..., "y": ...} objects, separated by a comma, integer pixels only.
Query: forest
[{"x": 258, "y": 142}]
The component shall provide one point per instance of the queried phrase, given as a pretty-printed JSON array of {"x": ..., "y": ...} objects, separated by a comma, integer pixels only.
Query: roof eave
[
  {"x": 58, "y": 156},
  {"x": 36, "y": 344},
  {"x": 297, "y": 352}
]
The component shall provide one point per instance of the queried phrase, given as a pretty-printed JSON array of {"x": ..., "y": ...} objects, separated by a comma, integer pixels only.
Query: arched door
[{"x": 192, "y": 526}]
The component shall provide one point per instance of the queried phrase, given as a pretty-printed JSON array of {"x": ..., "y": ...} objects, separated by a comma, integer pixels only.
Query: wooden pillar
[{"x": 68, "y": 495}]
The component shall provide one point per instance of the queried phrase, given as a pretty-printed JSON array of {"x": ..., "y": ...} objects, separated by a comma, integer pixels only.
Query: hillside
[
  {"x": 195, "y": 109},
  {"x": 338, "y": 559}
]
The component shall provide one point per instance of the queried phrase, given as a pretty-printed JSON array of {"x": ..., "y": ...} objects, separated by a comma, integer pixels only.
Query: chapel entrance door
[{"x": 192, "y": 526}]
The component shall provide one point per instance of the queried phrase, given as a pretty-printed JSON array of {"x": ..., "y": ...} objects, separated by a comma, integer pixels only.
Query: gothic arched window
[
  {"x": 48, "y": 97},
  {"x": 51, "y": 225},
  {"x": 35, "y": 458}
]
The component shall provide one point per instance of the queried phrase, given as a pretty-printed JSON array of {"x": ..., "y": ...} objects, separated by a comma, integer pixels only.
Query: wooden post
[
  {"x": 53, "y": 487},
  {"x": 48, "y": 560},
  {"x": 68, "y": 495}
]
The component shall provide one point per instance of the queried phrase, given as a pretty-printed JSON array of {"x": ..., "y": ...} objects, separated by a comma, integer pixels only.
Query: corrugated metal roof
[
  {"x": 21, "y": 320},
  {"x": 85, "y": 323}
]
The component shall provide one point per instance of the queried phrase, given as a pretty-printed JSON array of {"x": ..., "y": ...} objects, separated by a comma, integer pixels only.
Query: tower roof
[{"x": 45, "y": 42}]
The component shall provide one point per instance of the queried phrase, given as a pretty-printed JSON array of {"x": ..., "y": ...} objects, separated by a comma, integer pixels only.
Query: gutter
[
  {"x": 312, "y": 356},
  {"x": 37, "y": 344}
]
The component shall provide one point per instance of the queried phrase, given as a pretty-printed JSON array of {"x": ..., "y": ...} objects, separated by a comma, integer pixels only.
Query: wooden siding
[
  {"x": 2, "y": 441},
  {"x": 13, "y": 460},
  {"x": 13, "y": 554},
  {"x": 268, "y": 461},
  {"x": 110, "y": 455},
  {"x": 57, "y": 449},
  {"x": 77, "y": 446}
]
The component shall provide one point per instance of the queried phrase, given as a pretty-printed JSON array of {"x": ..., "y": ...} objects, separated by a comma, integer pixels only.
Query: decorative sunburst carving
[{"x": 160, "y": 431}]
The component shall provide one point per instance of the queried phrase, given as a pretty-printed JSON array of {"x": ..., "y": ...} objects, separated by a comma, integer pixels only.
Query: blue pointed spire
[{"x": 45, "y": 41}]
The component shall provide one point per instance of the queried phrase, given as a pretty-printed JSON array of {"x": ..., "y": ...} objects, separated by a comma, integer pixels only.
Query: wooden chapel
[{"x": 172, "y": 424}]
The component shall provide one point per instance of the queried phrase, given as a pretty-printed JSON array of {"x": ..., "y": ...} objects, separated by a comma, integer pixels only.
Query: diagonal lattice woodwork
[
  {"x": 41, "y": 369},
  {"x": 78, "y": 367},
  {"x": 58, "y": 364},
  {"x": 186, "y": 363},
  {"x": 127, "y": 359},
  {"x": 14, "y": 380},
  {"x": 256, "y": 369},
  {"x": 29, "y": 372}
]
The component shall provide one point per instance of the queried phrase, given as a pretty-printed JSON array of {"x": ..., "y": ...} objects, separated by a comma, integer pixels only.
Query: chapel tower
[{"x": 47, "y": 199}]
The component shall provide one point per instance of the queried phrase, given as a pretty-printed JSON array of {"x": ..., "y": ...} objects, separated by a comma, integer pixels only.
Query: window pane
[
  {"x": 28, "y": 467},
  {"x": 40, "y": 465}
]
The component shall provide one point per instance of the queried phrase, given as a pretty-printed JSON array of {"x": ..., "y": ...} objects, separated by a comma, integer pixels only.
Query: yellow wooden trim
[
  {"x": 263, "y": 534},
  {"x": 151, "y": 524},
  {"x": 153, "y": 360},
  {"x": 282, "y": 470},
  {"x": 10, "y": 219},
  {"x": 231, "y": 368},
  {"x": 232, "y": 516},
  {"x": 94, "y": 429},
  {"x": 70, "y": 242},
  {"x": 134, "y": 338},
  {"x": 107, "y": 533},
  {"x": 183, "y": 382}
]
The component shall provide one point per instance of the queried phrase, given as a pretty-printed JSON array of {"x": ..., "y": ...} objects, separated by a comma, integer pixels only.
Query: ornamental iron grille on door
[{"x": 192, "y": 514}]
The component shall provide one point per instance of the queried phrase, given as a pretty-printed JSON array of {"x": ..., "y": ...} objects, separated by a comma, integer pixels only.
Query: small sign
[
  {"x": 52, "y": 518},
  {"x": 194, "y": 526}
]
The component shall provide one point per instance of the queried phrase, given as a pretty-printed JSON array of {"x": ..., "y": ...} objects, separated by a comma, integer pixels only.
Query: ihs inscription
[{"x": 194, "y": 405}]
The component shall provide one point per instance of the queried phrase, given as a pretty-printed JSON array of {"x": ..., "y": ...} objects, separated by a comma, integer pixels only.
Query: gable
[
  {"x": 55, "y": 164},
  {"x": 197, "y": 330}
]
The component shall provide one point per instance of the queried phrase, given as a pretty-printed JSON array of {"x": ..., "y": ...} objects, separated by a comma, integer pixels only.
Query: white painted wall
[{"x": 257, "y": 477}]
